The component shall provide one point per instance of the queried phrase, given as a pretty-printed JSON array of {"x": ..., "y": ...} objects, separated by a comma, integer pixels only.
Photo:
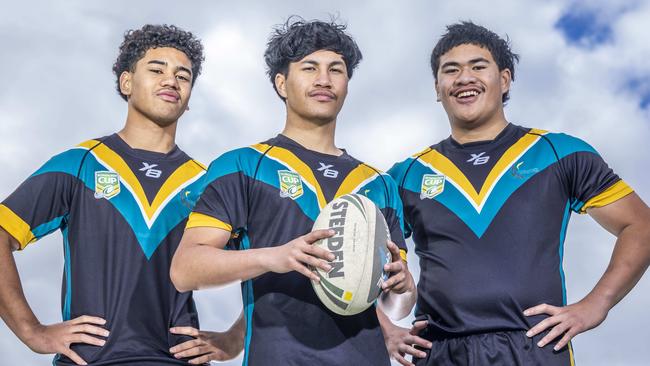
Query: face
[
  {"x": 159, "y": 88},
  {"x": 315, "y": 87},
  {"x": 470, "y": 85}
]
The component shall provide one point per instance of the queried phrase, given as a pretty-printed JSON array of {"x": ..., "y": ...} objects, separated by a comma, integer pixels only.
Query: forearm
[
  {"x": 398, "y": 306},
  {"x": 629, "y": 262},
  {"x": 14, "y": 309},
  {"x": 199, "y": 266}
]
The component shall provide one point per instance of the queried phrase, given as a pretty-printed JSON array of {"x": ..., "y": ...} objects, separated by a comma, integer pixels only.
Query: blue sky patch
[
  {"x": 584, "y": 28},
  {"x": 641, "y": 87}
]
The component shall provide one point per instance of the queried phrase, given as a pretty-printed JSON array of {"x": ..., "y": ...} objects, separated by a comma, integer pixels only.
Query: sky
[{"x": 583, "y": 70}]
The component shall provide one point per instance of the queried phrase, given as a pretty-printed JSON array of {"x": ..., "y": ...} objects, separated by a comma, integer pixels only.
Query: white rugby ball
[{"x": 360, "y": 247}]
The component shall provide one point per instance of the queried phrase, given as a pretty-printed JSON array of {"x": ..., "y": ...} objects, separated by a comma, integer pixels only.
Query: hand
[
  {"x": 57, "y": 338},
  {"x": 400, "y": 279},
  {"x": 299, "y": 253},
  {"x": 208, "y": 346},
  {"x": 566, "y": 321},
  {"x": 400, "y": 341}
]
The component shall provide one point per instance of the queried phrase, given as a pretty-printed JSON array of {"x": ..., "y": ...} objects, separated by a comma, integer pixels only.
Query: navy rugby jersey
[
  {"x": 122, "y": 212},
  {"x": 489, "y": 220},
  {"x": 267, "y": 195}
]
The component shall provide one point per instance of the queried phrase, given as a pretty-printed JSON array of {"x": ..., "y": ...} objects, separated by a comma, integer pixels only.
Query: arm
[
  {"x": 211, "y": 346},
  {"x": 629, "y": 220},
  {"x": 201, "y": 260},
  {"x": 399, "y": 292},
  {"x": 20, "y": 318}
]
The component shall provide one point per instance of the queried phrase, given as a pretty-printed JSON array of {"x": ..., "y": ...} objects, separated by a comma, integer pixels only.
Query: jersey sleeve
[
  {"x": 589, "y": 180},
  {"x": 394, "y": 214},
  {"x": 397, "y": 173},
  {"x": 223, "y": 202},
  {"x": 40, "y": 205}
]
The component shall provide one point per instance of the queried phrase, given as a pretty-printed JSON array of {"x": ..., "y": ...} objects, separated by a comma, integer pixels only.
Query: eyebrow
[
  {"x": 315, "y": 63},
  {"x": 471, "y": 62},
  {"x": 163, "y": 63}
]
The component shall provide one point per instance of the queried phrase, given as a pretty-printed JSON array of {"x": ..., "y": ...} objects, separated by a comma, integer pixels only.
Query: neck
[
  {"x": 315, "y": 136},
  {"x": 464, "y": 132},
  {"x": 144, "y": 134}
]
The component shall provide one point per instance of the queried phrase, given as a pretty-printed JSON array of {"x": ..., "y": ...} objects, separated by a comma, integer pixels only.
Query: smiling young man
[
  {"x": 488, "y": 209},
  {"x": 266, "y": 198},
  {"x": 121, "y": 203}
]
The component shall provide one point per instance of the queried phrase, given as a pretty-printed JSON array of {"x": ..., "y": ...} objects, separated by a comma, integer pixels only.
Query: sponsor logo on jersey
[
  {"x": 290, "y": 184},
  {"x": 327, "y": 170},
  {"x": 149, "y": 170},
  {"x": 518, "y": 171},
  {"x": 432, "y": 185},
  {"x": 107, "y": 184},
  {"x": 478, "y": 159}
]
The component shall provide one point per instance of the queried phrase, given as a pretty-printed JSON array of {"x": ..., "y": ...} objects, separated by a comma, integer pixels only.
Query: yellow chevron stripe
[
  {"x": 354, "y": 178},
  {"x": 612, "y": 194},
  {"x": 197, "y": 219},
  {"x": 288, "y": 158},
  {"x": 572, "y": 360},
  {"x": 445, "y": 166},
  {"x": 181, "y": 175},
  {"x": 15, "y": 226}
]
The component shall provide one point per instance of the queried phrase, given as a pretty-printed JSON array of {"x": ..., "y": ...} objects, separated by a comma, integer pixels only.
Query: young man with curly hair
[
  {"x": 266, "y": 198},
  {"x": 121, "y": 203},
  {"x": 488, "y": 209}
]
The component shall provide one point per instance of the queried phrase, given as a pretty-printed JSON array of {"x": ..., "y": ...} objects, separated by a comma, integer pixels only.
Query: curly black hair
[
  {"x": 138, "y": 41},
  {"x": 297, "y": 38},
  {"x": 470, "y": 33}
]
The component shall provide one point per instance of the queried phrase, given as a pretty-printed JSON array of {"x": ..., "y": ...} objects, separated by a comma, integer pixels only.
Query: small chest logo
[
  {"x": 107, "y": 184},
  {"x": 327, "y": 170},
  {"x": 290, "y": 184},
  {"x": 432, "y": 185},
  {"x": 478, "y": 159},
  {"x": 149, "y": 170}
]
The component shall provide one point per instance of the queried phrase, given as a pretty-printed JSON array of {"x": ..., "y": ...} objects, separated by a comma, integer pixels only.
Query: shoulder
[
  {"x": 399, "y": 170},
  {"x": 564, "y": 144},
  {"x": 68, "y": 161}
]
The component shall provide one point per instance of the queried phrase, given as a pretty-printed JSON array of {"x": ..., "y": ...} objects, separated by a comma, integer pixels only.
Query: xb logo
[
  {"x": 478, "y": 159},
  {"x": 150, "y": 171},
  {"x": 327, "y": 171}
]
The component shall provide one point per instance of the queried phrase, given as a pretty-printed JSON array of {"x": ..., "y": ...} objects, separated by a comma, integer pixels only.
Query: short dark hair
[
  {"x": 470, "y": 33},
  {"x": 297, "y": 38},
  {"x": 137, "y": 42}
]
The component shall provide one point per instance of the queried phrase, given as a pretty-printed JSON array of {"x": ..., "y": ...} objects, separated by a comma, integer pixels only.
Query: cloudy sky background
[{"x": 584, "y": 70}]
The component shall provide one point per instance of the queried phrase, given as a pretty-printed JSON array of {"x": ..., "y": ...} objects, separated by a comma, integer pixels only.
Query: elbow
[{"x": 179, "y": 278}]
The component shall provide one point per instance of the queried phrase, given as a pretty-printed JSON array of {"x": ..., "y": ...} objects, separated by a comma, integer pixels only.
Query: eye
[
  {"x": 449, "y": 70},
  {"x": 156, "y": 71},
  {"x": 336, "y": 70},
  {"x": 308, "y": 68},
  {"x": 479, "y": 67},
  {"x": 182, "y": 77}
]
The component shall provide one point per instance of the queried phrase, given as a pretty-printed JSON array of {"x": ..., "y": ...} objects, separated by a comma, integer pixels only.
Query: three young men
[
  {"x": 121, "y": 203},
  {"x": 488, "y": 209},
  {"x": 261, "y": 201}
]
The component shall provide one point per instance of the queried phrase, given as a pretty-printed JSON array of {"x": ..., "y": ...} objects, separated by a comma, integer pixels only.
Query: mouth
[
  {"x": 169, "y": 96},
  {"x": 322, "y": 95},
  {"x": 466, "y": 95}
]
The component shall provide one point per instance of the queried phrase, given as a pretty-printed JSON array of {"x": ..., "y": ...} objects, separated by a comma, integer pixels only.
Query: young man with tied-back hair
[
  {"x": 488, "y": 209},
  {"x": 121, "y": 202},
  {"x": 265, "y": 198}
]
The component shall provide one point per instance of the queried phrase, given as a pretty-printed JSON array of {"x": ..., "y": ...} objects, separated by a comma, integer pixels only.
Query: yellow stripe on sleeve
[
  {"x": 16, "y": 226},
  {"x": 612, "y": 194},
  {"x": 402, "y": 254},
  {"x": 197, "y": 219}
]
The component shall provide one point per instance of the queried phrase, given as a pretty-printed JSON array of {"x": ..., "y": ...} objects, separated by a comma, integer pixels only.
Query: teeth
[{"x": 468, "y": 93}]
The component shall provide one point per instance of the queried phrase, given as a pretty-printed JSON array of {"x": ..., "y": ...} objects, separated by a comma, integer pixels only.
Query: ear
[
  {"x": 506, "y": 79},
  {"x": 280, "y": 85},
  {"x": 125, "y": 83},
  {"x": 435, "y": 85}
]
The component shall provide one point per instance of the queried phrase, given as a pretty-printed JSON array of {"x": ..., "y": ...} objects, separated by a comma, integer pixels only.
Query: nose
[
  {"x": 169, "y": 80},
  {"x": 323, "y": 79},
  {"x": 466, "y": 76}
]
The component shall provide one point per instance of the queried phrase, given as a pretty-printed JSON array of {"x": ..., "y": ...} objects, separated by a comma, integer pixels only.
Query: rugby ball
[{"x": 360, "y": 247}]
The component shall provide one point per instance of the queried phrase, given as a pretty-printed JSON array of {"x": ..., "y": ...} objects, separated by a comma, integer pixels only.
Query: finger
[
  {"x": 306, "y": 272},
  {"x": 542, "y": 326},
  {"x": 317, "y": 235},
  {"x": 190, "y": 331},
  {"x": 564, "y": 341},
  {"x": 418, "y": 326},
  {"x": 216, "y": 356},
  {"x": 307, "y": 259},
  {"x": 90, "y": 329},
  {"x": 542, "y": 309},
  {"x": 418, "y": 341},
  {"x": 73, "y": 356},
  {"x": 85, "y": 338},
  {"x": 557, "y": 331},
  {"x": 405, "y": 348},
  {"x": 88, "y": 319},
  {"x": 186, "y": 345},
  {"x": 393, "y": 283},
  {"x": 394, "y": 267},
  {"x": 394, "y": 251},
  {"x": 402, "y": 361},
  {"x": 318, "y": 252},
  {"x": 194, "y": 351}
]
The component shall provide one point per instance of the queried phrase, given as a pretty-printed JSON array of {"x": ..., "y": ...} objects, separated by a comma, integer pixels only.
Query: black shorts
[{"x": 509, "y": 348}]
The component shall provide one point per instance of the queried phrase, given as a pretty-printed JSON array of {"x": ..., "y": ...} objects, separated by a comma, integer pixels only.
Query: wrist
[{"x": 28, "y": 332}]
